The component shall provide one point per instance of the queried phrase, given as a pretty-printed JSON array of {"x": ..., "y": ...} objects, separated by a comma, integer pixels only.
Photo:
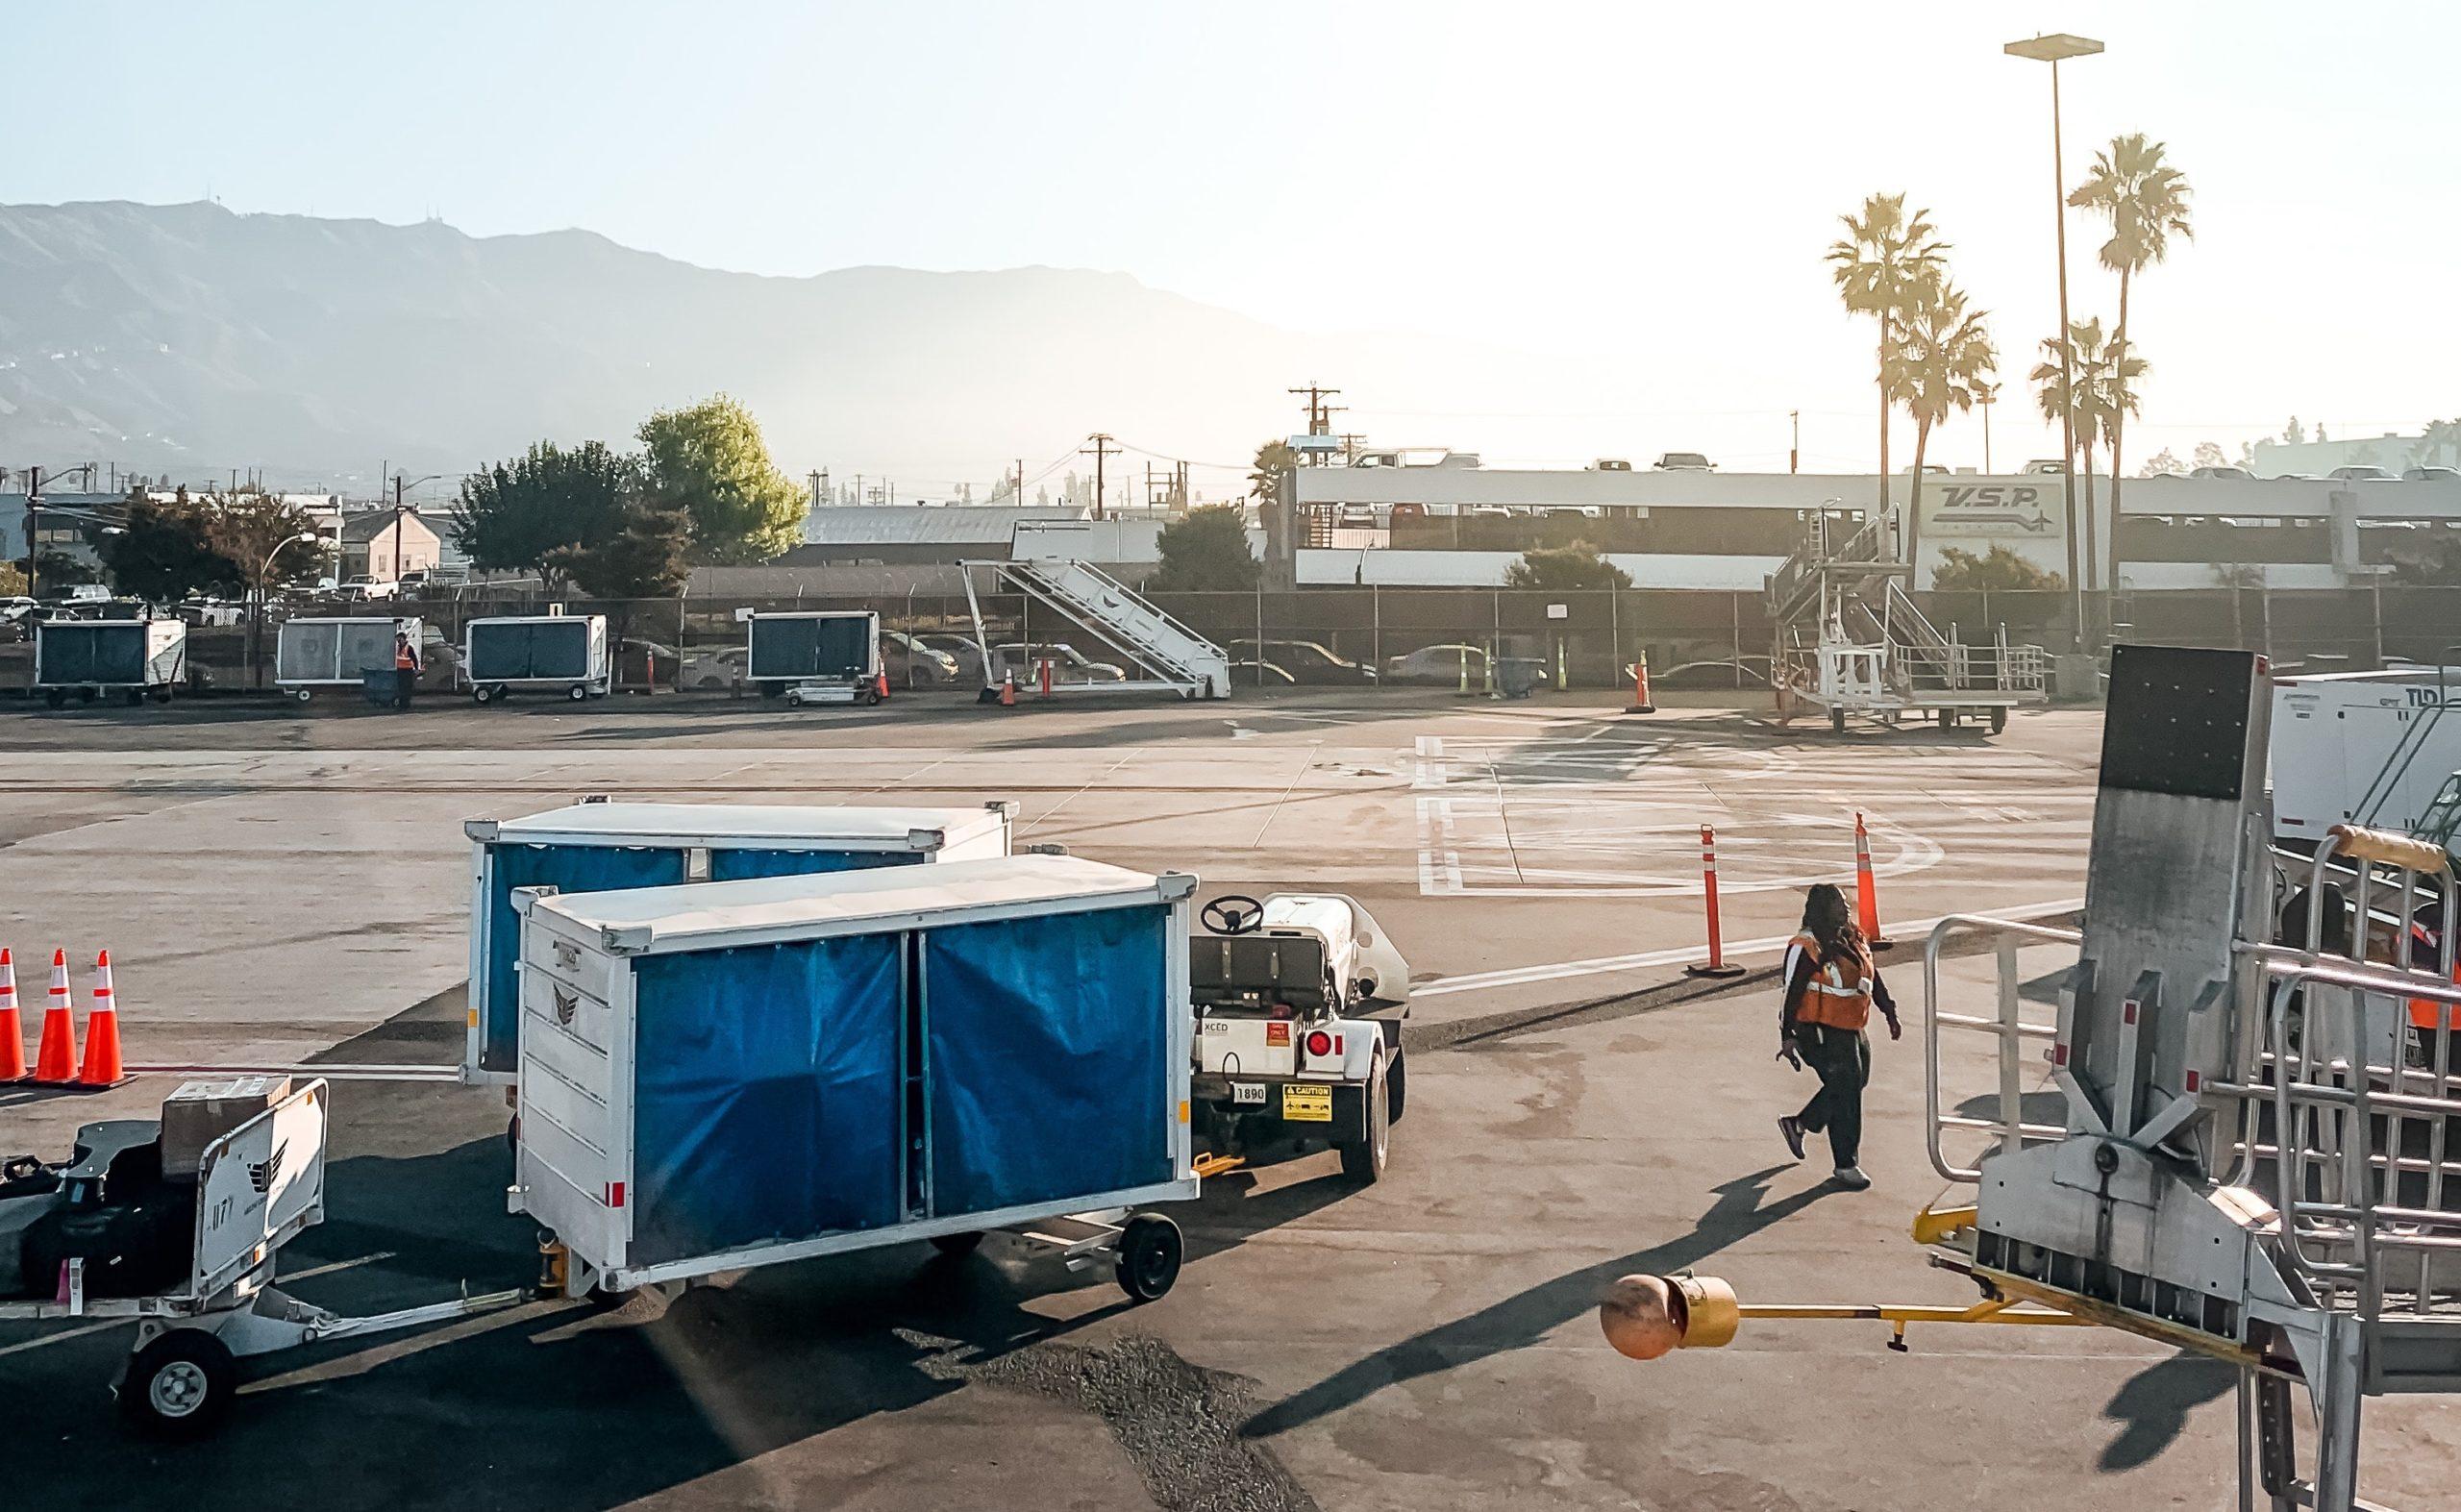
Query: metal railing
[{"x": 2007, "y": 1025}]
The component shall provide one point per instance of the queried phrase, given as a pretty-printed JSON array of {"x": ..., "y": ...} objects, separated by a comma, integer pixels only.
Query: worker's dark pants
[{"x": 1842, "y": 1060}]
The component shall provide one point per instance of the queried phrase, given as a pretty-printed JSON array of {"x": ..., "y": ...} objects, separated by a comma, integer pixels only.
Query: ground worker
[
  {"x": 1832, "y": 988},
  {"x": 405, "y": 656}
]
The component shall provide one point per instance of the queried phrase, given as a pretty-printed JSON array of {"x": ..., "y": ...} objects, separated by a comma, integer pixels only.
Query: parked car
[
  {"x": 1684, "y": 462},
  {"x": 361, "y": 588},
  {"x": 959, "y": 649},
  {"x": 910, "y": 664},
  {"x": 2222, "y": 472},
  {"x": 2044, "y": 468},
  {"x": 1440, "y": 665},
  {"x": 2431, "y": 474},
  {"x": 1068, "y": 664},
  {"x": 2362, "y": 472},
  {"x": 77, "y": 593},
  {"x": 713, "y": 671},
  {"x": 1302, "y": 660},
  {"x": 2295, "y": 478}
]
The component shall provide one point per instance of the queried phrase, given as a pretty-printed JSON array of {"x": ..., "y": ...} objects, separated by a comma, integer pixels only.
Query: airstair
[
  {"x": 1166, "y": 655},
  {"x": 1850, "y": 641},
  {"x": 2415, "y": 738}
]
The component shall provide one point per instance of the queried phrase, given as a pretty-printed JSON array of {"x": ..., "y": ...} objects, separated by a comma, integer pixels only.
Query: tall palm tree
[
  {"x": 2442, "y": 438},
  {"x": 2146, "y": 201},
  {"x": 2105, "y": 376},
  {"x": 1944, "y": 364},
  {"x": 1881, "y": 263}
]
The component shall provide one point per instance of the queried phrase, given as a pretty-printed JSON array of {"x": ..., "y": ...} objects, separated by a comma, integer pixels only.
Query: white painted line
[{"x": 1609, "y": 965}]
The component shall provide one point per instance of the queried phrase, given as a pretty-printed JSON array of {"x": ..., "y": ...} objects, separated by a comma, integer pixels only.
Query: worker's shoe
[
  {"x": 1790, "y": 1128},
  {"x": 1852, "y": 1179}
]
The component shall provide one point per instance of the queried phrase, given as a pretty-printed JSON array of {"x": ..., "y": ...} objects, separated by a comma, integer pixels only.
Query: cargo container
[
  {"x": 599, "y": 847},
  {"x": 2363, "y": 748},
  {"x": 91, "y": 658},
  {"x": 560, "y": 652},
  {"x": 819, "y": 656},
  {"x": 312, "y": 654},
  {"x": 728, "y": 1074}
]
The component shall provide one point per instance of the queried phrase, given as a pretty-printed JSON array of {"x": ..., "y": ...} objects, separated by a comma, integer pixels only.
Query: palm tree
[
  {"x": 2442, "y": 438},
  {"x": 1944, "y": 364},
  {"x": 2146, "y": 201},
  {"x": 1885, "y": 258},
  {"x": 2104, "y": 378}
]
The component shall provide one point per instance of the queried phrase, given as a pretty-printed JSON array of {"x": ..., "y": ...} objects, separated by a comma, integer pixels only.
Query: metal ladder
[{"x": 1171, "y": 655}]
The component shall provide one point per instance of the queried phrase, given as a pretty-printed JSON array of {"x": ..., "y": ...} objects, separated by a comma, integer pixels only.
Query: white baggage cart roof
[
  {"x": 786, "y": 826},
  {"x": 764, "y": 909}
]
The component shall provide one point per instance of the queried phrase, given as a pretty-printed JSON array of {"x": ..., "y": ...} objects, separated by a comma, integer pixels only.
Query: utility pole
[
  {"x": 1019, "y": 497},
  {"x": 1795, "y": 447},
  {"x": 397, "y": 529},
  {"x": 1102, "y": 447},
  {"x": 1319, "y": 415}
]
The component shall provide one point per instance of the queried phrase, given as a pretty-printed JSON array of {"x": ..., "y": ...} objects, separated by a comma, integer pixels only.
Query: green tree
[
  {"x": 165, "y": 552},
  {"x": 1943, "y": 365},
  {"x": 1275, "y": 461},
  {"x": 1883, "y": 262},
  {"x": 2146, "y": 201},
  {"x": 2441, "y": 443},
  {"x": 1998, "y": 570},
  {"x": 2209, "y": 453},
  {"x": 515, "y": 516},
  {"x": 2294, "y": 432},
  {"x": 1207, "y": 551},
  {"x": 1565, "y": 569},
  {"x": 649, "y": 556},
  {"x": 711, "y": 458},
  {"x": 2163, "y": 465},
  {"x": 2102, "y": 384},
  {"x": 12, "y": 581}
]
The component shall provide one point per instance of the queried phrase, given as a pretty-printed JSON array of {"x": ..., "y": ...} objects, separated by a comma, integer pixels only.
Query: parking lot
[{"x": 283, "y": 885}]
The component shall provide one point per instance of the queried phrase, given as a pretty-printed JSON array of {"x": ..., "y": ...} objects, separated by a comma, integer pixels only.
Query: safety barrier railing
[{"x": 2007, "y": 1025}]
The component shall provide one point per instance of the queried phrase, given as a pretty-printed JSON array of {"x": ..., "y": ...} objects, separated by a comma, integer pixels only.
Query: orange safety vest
[{"x": 1839, "y": 994}]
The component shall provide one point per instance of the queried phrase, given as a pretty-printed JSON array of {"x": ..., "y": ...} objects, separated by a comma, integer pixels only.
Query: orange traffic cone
[
  {"x": 56, "y": 1060},
  {"x": 1008, "y": 689},
  {"x": 1867, "y": 904},
  {"x": 13, "y": 1033},
  {"x": 102, "y": 1068},
  {"x": 1641, "y": 703},
  {"x": 883, "y": 684}
]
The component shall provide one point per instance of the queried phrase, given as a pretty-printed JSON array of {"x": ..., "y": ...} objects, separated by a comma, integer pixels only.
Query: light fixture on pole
[{"x": 2051, "y": 49}]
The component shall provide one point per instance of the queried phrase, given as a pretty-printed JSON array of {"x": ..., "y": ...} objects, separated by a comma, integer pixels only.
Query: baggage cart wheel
[
  {"x": 54, "y": 698},
  {"x": 1837, "y": 721},
  {"x": 1399, "y": 1098},
  {"x": 181, "y": 1385},
  {"x": 482, "y": 694},
  {"x": 1998, "y": 718},
  {"x": 137, "y": 698},
  {"x": 87, "y": 695},
  {"x": 1150, "y": 1252},
  {"x": 1363, "y": 1160},
  {"x": 303, "y": 695},
  {"x": 161, "y": 694},
  {"x": 957, "y": 1247},
  {"x": 579, "y": 691}
]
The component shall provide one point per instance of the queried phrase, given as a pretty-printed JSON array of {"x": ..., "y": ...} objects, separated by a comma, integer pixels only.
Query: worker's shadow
[
  {"x": 2155, "y": 1404},
  {"x": 1525, "y": 1318}
]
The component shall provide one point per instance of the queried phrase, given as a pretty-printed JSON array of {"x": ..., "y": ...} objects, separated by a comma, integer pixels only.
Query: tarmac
[{"x": 279, "y": 886}]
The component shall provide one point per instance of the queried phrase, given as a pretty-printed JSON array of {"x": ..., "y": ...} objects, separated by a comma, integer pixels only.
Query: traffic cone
[
  {"x": 883, "y": 684},
  {"x": 1641, "y": 703},
  {"x": 1866, "y": 903},
  {"x": 1008, "y": 689},
  {"x": 13, "y": 1033},
  {"x": 56, "y": 1060},
  {"x": 102, "y": 1068}
]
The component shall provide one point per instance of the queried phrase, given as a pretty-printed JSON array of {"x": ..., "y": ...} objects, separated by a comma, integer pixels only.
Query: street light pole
[
  {"x": 2050, "y": 49},
  {"x": 257, "y": 610}
]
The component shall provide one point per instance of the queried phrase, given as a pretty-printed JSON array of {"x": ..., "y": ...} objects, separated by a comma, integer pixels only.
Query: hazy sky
[{"x": 1644, "y": 188}]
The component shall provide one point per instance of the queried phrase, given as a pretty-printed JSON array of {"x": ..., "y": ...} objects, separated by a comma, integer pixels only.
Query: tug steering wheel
[{"x": 1234, "y": 913}]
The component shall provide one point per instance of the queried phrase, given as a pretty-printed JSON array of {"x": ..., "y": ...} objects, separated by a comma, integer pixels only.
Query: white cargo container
[
  {"x": 728, "y": 1074},
  {"x": 603, "y": 846},
  {"x": 312, "y": 654},
  {"x": 91, "y": 658},
  {"x": 566, "y": 652},
  {"x": 2365, "y": 747},
  {"x": 819, "y": 658}
]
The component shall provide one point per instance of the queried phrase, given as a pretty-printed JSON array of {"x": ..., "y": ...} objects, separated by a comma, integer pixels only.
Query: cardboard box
[{"x": 201, "y": 1112}]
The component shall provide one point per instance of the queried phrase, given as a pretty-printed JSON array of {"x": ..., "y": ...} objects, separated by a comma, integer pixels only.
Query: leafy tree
[
  {"x": 1944, "y": 363},
  {"x": 2163, "y": 465},
  {"x": 2440, "y": 443},
  {"x": 12, "y": 581},
  {"x": 2294, "y": 432},
  {"x": 1883, "y": 262},
  {"x": 710, "y": 457},
  {"x": 1565, "y": 569},
  {"x": 2209, "y": 454},
  {"x": 517, "y": 515},
  {"x": 167, "y": 551},
  {"x": 57, "y": 569},
  {"x": 649, "y": 557},
  {"x": 2146, "y": 201},
  {"x": 2103, "y": 377},
  {"x": 255, "y": 532},
  {"x": 1998, "y": 570},
  {"x": 1275, "y": 461},
  {"x": 1207, "y": 551}
]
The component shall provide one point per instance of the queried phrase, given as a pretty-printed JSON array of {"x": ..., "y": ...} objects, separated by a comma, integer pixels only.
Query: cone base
[
  {"x": 1704, "y": 969},
  {"x": 1642, "y": 709},
  {"x": 31, "y": 1084}
]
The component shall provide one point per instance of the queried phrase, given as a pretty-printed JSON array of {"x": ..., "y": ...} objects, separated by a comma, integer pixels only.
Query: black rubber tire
[
  {"x": 773, "y": 689},
  {"x": 579, "y": 691},
  {"x": 1364, "y": 1160},
  {"x": 301, "y": 695},
  {"x": 1837, "y": 721},
  {"x": 137, "y": 698},
  {"x": 957, "y": 1246},
  {"x": 161, "y": 694},
  {"x": 55, "y": 698},
  {"x": 179, "y": 1386},
  {"x": 1150, "y": 1253},
  {"x": 481, "y": 693},
  {"x": 87, "y": 695},
  {"x": 1398, "y": 1095},
  {"x": 1998, "y": 719}
]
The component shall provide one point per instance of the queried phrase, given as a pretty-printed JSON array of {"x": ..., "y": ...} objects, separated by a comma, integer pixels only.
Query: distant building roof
[{"x": 362, "y": 527}]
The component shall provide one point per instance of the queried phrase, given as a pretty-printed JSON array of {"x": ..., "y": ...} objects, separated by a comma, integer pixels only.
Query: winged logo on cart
[
  {"x": 263, "y": 1174},
  {"x": 566, "y": 1005}
]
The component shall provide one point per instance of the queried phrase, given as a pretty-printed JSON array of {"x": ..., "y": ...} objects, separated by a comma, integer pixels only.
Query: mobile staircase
[
  {"x": 1850, "y": 640},
  {"x": 1169, "y": 656}
]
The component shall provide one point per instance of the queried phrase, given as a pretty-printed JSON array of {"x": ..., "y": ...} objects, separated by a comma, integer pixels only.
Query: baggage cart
[
  {"x": 139, "y": 657},
  {"x": 599, "y": 847},
  {"x": 313, "y": 654},
  {"x": 563, "y": 653},
  {"x": 724, "y": 1075},
  {"x": 815, "y": 657}
]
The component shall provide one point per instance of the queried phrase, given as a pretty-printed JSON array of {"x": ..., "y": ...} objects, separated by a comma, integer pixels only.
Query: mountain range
[{"x": 187, "y": 341}]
